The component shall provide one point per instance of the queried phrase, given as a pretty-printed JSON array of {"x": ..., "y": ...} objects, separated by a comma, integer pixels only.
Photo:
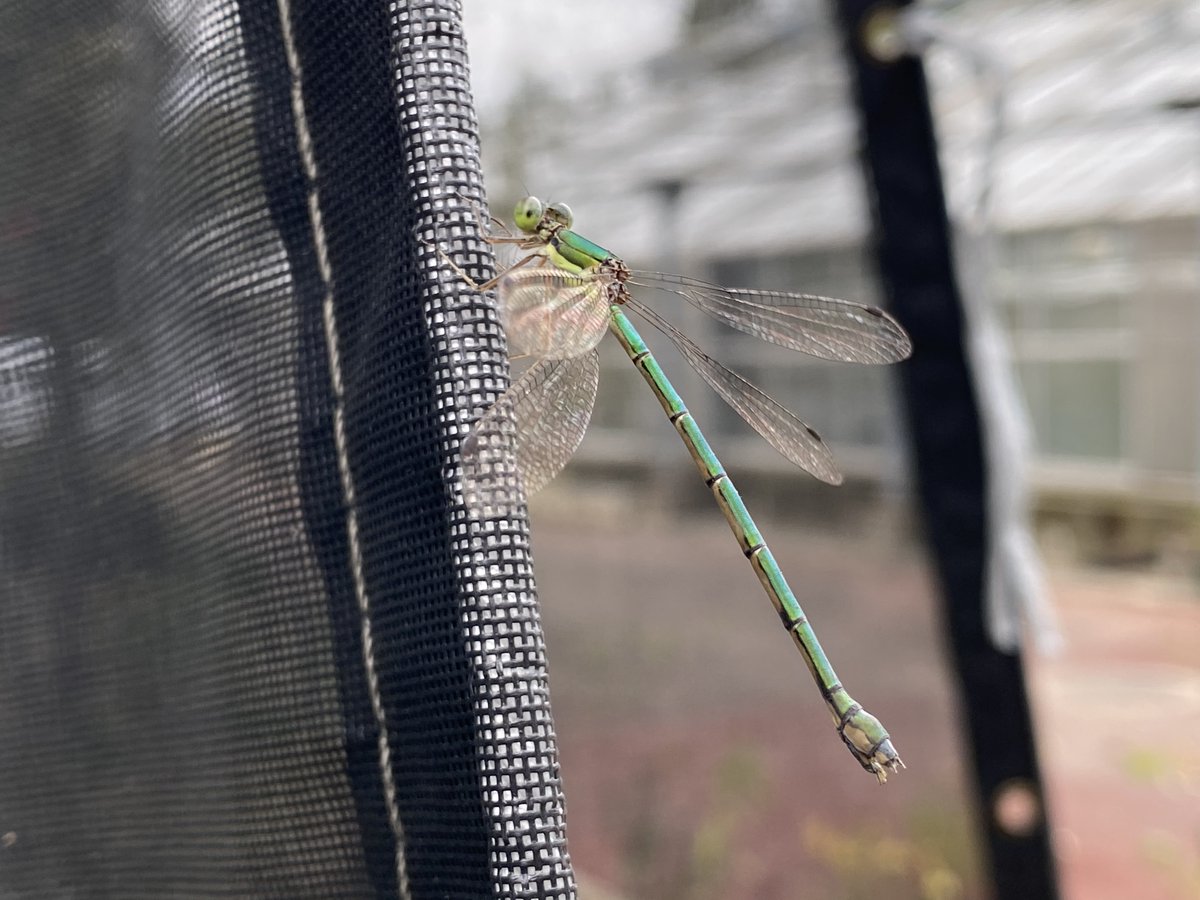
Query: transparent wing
[
  {"x": 528, "y": 435},
  {"x": 778, "y": 426},
  {"x": 819, "y": 326},
  {"x": 549, "y": 313}
]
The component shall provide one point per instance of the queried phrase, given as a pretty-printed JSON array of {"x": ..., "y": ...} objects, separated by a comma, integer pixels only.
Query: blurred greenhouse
[{"x": 1093, "y": 263}]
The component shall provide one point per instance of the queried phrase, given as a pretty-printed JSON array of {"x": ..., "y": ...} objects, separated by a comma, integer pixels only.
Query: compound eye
[
  {"x": 560, "y": 213},
  {"x": 528, "y": 214}
]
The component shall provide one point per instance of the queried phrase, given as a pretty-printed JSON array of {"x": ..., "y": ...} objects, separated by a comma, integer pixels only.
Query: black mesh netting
[{"x": 250, "y": 645}]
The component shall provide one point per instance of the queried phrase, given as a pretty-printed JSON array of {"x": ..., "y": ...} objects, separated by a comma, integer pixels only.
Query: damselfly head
[
  {"x": 534, "y": 217},
  {"x": 528, "y": 214}
]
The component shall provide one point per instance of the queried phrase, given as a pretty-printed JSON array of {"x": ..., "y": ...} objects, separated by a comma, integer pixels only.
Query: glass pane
[
  {"x": 1094, "y": 312},
  {"x": 1075, "y": 407}
]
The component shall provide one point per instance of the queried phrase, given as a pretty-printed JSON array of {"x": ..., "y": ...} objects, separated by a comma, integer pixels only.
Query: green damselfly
[{"x": 558, "y": 300}]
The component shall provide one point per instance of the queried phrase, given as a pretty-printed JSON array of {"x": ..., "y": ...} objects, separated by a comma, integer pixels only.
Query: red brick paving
[{"x": 699, "y": 761}]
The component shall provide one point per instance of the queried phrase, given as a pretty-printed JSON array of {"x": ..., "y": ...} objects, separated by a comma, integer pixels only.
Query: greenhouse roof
[{"x": 756, "y": 123}]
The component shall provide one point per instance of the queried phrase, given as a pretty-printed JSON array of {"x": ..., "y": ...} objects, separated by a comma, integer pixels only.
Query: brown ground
[{"x": 700, "y": 763}]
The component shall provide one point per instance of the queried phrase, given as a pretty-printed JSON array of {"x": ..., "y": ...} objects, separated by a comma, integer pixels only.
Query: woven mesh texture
[{"x": 250, "y": 643}]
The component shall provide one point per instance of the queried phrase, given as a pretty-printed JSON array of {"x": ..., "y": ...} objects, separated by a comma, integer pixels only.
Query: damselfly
[{"x": 558, "y": 300}]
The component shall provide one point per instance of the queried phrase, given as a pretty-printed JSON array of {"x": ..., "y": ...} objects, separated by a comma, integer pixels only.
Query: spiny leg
[
  {"x": 479, "y": 220},
  {"x": 491, "y": 282},
  {"x": 525, "y": 241}
]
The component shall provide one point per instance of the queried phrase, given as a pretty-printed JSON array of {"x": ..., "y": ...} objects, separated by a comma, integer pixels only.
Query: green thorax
[{"x": 573, "y": 252}]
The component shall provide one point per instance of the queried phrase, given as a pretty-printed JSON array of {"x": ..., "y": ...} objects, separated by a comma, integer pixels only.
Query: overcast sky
[{"x": 571, "y": 40}]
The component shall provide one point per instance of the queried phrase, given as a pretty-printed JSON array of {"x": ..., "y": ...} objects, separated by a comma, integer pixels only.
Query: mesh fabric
[{"x": 251, "y": 644}]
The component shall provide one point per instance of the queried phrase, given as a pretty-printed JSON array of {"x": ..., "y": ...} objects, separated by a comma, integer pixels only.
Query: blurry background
[{"x": 716, "y": 138}]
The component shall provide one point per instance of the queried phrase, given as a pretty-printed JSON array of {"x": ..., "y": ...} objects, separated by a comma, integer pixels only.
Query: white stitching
[{"x": 304, "y": 139}]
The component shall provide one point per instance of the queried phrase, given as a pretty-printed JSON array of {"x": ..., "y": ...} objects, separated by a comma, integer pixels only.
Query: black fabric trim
[
  {"x": 368, "y": 216},
  {"x": 914, "y": 251}
]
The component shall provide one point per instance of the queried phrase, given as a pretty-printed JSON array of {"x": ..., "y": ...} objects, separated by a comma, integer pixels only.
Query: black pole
[{"x": 913, "y": 247}]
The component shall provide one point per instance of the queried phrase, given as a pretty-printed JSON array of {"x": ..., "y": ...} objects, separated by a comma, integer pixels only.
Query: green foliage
[
  {"x": 1180, "y": 863},
  {"x": 740, "y": 785},
  {"x": 1147, "y": 765},
  {"x": 688, "y": 861},
  {"x": 933, "y": 856},
  {"x": 935, "y": 860}
]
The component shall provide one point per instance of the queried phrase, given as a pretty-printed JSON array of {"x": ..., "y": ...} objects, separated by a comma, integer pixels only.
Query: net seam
[{"x": 304, "y": 140}]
